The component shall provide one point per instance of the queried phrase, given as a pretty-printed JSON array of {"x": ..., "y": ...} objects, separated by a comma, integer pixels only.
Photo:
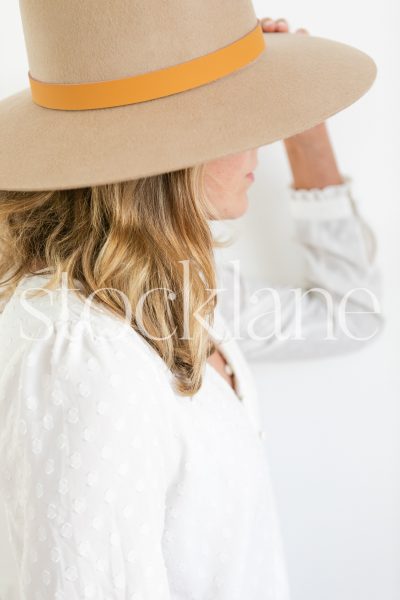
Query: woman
[{"x": 132, "y": 458}]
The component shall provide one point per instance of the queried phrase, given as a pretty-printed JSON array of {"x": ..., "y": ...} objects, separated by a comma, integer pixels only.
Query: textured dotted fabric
[{"x": 116, "y": 488}]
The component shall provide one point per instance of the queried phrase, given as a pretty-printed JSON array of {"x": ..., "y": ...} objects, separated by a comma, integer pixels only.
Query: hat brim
[{"x": 298, "y": 82}]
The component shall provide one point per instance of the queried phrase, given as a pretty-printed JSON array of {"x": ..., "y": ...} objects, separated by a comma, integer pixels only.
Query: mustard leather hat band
[{"x": 154, "y": 84}]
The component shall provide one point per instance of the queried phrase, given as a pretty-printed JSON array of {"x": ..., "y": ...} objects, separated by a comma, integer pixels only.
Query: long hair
[{"x": 144, "y": 238}]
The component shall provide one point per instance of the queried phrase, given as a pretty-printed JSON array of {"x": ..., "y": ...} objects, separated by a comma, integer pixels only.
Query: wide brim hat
[{"x": 125, "y": 89}]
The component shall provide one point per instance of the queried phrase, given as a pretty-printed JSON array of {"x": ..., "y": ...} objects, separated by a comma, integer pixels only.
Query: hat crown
[{"x": 75, "y": 41}]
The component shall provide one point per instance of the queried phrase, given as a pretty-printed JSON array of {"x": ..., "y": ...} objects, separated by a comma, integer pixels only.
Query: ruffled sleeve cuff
[{"x": 330, "y": 202}]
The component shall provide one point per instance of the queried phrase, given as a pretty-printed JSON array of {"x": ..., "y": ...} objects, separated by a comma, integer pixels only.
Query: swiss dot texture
[
  {"x": 104, "y": 441},
  {"x": 119, "y": 489}
]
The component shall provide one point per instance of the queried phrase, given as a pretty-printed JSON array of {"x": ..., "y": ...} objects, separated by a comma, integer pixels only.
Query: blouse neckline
[
  {"x": 222, "y": 338},
  {"x": 237, "y": 391}
]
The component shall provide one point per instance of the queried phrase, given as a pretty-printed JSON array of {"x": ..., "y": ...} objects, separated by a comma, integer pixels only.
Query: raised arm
[{"x": 338, "y": 307}]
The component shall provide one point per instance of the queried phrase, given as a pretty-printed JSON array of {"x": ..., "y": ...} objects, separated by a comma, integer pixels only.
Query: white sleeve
[
  {"x": 92, "y": 446},
  {"x": 340, "y": 256}
]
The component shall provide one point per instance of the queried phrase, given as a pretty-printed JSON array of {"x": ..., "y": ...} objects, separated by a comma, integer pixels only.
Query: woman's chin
[
  {"x": 233, "y": 210},
  {"x": 238, "y": 210}
]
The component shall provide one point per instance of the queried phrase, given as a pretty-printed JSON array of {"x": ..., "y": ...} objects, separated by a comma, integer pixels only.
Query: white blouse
[{"x": 115, "y": 487}]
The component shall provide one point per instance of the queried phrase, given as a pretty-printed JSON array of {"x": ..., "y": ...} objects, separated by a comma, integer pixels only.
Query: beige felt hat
[{"x": 127, "y": 88}]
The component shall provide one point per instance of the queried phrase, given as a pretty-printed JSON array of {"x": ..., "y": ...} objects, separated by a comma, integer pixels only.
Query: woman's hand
[{"x": 310, "y": 153}]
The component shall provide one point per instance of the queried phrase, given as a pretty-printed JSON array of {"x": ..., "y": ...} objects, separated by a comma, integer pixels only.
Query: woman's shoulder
[
  {"x": 95, "y": 379},
  {"x": 60, "y": 327}
]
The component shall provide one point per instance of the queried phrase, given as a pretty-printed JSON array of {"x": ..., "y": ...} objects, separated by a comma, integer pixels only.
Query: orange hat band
[{"x": 152, "y": 85}]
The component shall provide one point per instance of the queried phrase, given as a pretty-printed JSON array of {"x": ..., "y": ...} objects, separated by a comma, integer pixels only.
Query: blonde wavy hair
[{"x": 125, "y": 237}]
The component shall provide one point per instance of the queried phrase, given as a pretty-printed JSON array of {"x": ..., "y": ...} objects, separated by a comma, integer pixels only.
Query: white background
[{"x": 332, "y": 424}]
